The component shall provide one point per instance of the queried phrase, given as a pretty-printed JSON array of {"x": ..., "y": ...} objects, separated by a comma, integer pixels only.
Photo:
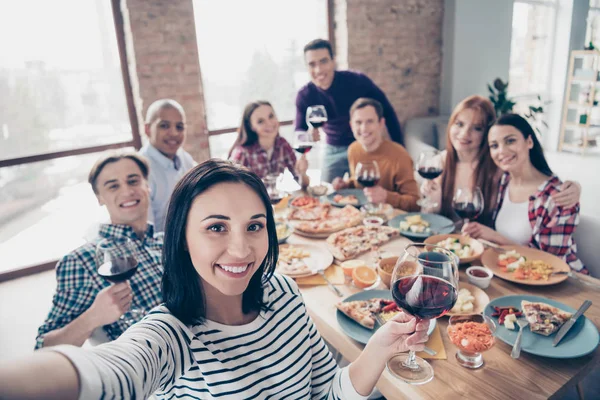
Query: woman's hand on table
[{"x": 480, "y": 231}]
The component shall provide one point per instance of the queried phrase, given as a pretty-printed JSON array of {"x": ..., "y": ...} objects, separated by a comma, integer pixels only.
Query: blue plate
[
  {"x": 435, "y": 223},
  {"x": 362, "y": 199},
  {"x": 582, "y": 339},
  {"x": 359, "y": 332}
]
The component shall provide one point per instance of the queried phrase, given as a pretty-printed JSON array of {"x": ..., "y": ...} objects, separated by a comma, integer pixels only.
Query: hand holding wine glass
[
  {"x": 468, "y": 203},
  {"x": 316, "y": 117},
  {"x": 429, "y": 166},
  {"x": 116, "y": 261},
  {"x": 425, "y": 285}
]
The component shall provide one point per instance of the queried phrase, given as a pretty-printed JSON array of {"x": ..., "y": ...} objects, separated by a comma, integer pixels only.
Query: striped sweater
[{"x": 279, "y": 355}]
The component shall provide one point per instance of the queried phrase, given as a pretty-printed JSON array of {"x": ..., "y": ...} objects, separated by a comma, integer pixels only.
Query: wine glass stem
[{"x": 410, "y": 362}]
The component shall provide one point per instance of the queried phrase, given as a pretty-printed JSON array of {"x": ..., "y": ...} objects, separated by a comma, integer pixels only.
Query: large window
[
  {"x": 593, "y": 24},
  {"x": 252, "y": 50},
  {"x": 62, "y": 101},
  {"x": 533, "y": 30}
]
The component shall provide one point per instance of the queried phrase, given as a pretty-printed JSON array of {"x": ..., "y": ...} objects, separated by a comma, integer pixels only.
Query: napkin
[
  {"x": 334, "y": 273},
  {"x": 435, "y": 343}
]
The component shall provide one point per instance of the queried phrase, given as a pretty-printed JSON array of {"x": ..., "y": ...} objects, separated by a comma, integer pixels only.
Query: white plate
[{"x": 320, "y": 258}]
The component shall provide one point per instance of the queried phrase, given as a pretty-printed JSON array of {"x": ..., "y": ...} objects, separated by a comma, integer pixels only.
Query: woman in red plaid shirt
[
  {"x": 525, "y": 213},
  {"x": 260, "y": 148}
]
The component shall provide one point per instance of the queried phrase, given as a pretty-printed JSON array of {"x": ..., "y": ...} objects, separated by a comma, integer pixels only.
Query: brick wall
[
  {"x": 163, "y": 62},
  {"x": 398, "y": 44}
]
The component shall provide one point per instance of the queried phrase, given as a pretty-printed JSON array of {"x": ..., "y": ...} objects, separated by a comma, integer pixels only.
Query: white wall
[{"x": 476, "y": 48}]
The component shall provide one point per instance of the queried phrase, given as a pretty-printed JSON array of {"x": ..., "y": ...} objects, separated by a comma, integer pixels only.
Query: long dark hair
[
  {"x": 536, "y": 153},
  {"x": 181, "y": 286},
  {"x": 246, "y": 136},
  {"x": 486, "y": 170}
]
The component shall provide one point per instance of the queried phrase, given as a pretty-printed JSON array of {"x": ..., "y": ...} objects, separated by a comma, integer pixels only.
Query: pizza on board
[
  {"x": 352, "y": 242},
  {"x": 325, "y": 218},
  {"x": 544, "y": 318}
]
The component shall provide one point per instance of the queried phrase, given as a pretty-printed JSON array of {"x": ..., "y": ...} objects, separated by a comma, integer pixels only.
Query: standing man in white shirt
[{"x": 165, "y": 127}]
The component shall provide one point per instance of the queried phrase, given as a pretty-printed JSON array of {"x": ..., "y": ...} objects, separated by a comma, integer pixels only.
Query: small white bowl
[
  {"x": 480, "y": 282},
  {"x": 373, "y": 221}
]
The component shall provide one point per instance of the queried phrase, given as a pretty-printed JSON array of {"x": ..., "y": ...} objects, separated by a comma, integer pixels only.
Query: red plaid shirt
[
  {"x": 255, "y": 158},
  {"x": 553, "y": 226}
]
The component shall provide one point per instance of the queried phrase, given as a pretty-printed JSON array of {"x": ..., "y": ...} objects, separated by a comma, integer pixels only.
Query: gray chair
[
  {"x": 587, "y": 237},
  {"x": 425, "y": 133}
]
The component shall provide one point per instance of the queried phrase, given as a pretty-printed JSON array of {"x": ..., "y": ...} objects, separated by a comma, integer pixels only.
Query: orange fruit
[
  {"x": 348, "y": 266},
  {"x": 363, "y": 276}
]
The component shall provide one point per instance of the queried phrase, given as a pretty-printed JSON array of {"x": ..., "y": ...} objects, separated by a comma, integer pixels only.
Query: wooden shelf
[{"x": 594, "y": 66}]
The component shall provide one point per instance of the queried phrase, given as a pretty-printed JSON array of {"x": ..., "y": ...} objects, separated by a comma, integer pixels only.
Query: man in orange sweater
[{"x": 397, "y": 185}]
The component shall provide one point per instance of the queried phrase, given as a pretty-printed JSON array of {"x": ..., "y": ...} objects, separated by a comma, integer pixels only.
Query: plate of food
[
  {"x": 545, "y": 317},
  {"x": 421, "y": 226},
  {"x": 284, "y": 231},
  {"x": 353, "y": 242},
  {"x": 355, "y": 314},
  {"x": 304, "y": 201},
  {"x": 300, "y": 260},
  {"x": 465, "y": 247},
  {"x": 318, "y": 222},
  {"x": 344, "y": 197},
  {"x": 471, "y": 300},
  {"x": 526, "y": 265}
]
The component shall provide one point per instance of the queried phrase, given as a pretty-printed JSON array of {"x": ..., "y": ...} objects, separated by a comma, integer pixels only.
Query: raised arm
[{"x": 150, "y": 356}]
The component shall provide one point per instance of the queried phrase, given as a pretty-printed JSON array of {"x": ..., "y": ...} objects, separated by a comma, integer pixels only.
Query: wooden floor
[{"x": 25, "y": 302}]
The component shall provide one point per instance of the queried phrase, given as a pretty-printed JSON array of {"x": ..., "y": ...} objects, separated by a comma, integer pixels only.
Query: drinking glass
[
  {"x": 425, "y": 285},
  {"x": 429, "y": 166},
  {"x": 469, "y": 352},
  {"x": 275, "y": 194},
  {"x": 303, "y": 142},
  {"x": 116, "y": 261},
  {"x": 316, "y": 116},
  {"x": 468, "y": 203},
  {"x": 367, "y": 174}
]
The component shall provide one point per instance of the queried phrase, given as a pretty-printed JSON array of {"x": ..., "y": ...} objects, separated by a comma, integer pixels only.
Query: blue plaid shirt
[{"x": 78, "y": 282}]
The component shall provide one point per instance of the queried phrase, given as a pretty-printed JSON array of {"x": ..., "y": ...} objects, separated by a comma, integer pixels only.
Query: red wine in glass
[
  {"x": 467, "y": 210},
  {"x": 425, "y": 297},
  {"x": 429, "y": 172},
  {"x": 367, "y": 181},
  {"x": 317, "y": 122},
  {"x": 303, "y": 148},
  {"x": 119, "y": 269}
]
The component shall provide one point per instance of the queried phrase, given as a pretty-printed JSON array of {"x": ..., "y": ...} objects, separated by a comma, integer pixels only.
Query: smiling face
[
  {"x": 124, "y": 191},
  {"x": 226, "y": 237},
  {"x": 167, "y": 131},
  {"x": 264, "y": 122},
  {"x": 509, "y": 148},
  {"x": 367, "y": 127},
  {"x": 321, "y": 67},
  {"x": 466, "y": 133}
]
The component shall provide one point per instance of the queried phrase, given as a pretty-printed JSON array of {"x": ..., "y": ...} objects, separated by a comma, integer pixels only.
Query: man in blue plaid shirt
[{"x": 85, "y": 301}]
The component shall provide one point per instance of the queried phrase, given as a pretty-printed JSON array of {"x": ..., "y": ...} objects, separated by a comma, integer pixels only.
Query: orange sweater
[{"x": 396, "y": 169}]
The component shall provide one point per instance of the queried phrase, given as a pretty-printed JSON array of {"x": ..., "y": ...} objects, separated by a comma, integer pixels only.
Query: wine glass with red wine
[
  {"x": 303, "y": 142},
  {"x": 429, "y": 166},
  {"x": 117, "y": 263},
  {"x": 367, "y": 174},
  {"x": 425, "y": 285},
  {"x": 316, "y": 116},
  {"x": 468, "y": 203}
]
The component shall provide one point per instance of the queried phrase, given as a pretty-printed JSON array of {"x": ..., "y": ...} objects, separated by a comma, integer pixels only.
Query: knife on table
[{"x": 569, "y": 324}]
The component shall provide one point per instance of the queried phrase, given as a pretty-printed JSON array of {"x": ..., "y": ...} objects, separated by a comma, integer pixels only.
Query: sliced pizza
[
  {"x": 544, "y": 318},
  {"x": 341, "y": 199},
  {"x": 292, "y": 261},
  {"x": 314, "y": 213},
  {"x": 352, "y": 242},
  {"x": 334, "y": 220},
  {"x": 362, "y": 311}
]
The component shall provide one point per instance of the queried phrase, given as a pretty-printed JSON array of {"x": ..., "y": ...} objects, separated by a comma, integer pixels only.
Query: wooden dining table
[{"x": 501, "y": 377}]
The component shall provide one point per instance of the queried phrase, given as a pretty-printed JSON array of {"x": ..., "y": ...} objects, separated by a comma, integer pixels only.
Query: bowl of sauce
[{"x": 480, "y": 276}]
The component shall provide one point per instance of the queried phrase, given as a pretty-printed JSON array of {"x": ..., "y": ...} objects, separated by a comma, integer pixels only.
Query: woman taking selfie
[
  {"x": 525, "y": 213},
  {"x": 230, "y": 328}
]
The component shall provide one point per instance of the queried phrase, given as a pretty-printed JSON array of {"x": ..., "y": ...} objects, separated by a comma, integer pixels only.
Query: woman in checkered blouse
[
  {"x": 260, "y": 148},
  {"x": 525, "y": 213}
]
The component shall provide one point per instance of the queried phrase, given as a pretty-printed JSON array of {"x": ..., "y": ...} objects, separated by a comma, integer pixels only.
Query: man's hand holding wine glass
[{"x": 110, "y": 303}]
